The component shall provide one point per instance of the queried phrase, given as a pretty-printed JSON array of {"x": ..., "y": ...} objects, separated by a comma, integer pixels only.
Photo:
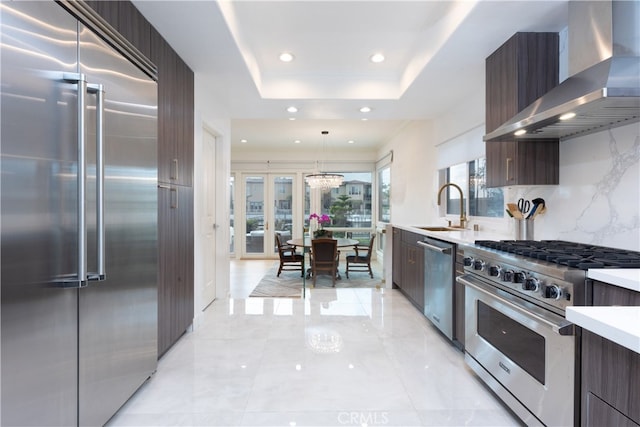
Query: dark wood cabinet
[
  {"x": 522, "y": 163},
  {"x": 600, "y": 414},
  {"x": 413, "y": 275},
  {"x": 610, "y": 372},
  {"x": 175, "y": 288},
  {"x": 408, "y": 266},
  {"x": 175, "y": 113},
  {"x": 520, "y": 71},
  {"x": 397, "y": 261},
  {"x": 606, "y": 294},
  {"x": 175, "y": 177}
]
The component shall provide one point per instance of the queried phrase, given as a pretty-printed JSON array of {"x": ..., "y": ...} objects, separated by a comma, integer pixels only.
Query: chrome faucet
[{"x": 463, "y": 218}]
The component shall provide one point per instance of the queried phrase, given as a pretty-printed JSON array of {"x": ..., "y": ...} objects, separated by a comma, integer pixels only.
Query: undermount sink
[{"x": 439, "y": 228}]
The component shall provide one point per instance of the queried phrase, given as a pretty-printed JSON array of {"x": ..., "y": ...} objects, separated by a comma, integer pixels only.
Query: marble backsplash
[{"x": 598, "y": 199}]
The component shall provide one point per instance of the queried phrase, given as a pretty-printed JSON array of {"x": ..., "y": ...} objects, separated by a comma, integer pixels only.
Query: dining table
[{"x": 306, "y": 244}]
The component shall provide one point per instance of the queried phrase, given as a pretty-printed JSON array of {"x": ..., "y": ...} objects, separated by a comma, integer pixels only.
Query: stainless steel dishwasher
[{"x": 439, "y": 260}]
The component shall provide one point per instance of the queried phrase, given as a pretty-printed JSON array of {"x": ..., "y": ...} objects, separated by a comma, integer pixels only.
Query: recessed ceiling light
[
  {"x": 567, "y": 116},
  {"x": 286, "y": 57},
  {"x": 292, "y": 118},
  {"x": 364, "y": 119},
  {"x": 244, "y": 141},
  {"x": 351, "y": 141},
  {"x": 292, "y": 109},
  {"x": 376, "y": 58},
  {"x": 297, "y": 141},
  {"x": 365, "y": 109},
  {"x": 520, "y": 132}
]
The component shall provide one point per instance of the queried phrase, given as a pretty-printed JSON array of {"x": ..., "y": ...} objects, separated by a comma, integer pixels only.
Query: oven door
[{"x": 524, "y": 353}]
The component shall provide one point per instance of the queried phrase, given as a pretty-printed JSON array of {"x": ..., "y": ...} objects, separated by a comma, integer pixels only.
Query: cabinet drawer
[
  {"x": 612, "y": 373},
  {"x": 599, "y": 414}
]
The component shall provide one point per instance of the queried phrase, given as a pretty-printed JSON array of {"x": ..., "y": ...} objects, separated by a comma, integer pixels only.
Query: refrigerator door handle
[
  {"x": 81, "y": 279},
  {"x": 98, "y": 90}
]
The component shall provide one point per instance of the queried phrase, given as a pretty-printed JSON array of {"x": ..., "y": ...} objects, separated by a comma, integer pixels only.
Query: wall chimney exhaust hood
[{"x": 600, "y": 97}]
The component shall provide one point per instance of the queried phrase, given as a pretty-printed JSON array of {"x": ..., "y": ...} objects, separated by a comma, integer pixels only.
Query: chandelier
[{"x": 324, "y": 180}]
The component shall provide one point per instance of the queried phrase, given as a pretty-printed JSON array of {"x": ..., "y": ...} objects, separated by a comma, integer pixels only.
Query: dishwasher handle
[{"x": 435, "y": 248}]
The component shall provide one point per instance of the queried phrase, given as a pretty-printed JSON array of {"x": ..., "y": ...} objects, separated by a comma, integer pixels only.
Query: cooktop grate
[{"x": 576, "y": 255}]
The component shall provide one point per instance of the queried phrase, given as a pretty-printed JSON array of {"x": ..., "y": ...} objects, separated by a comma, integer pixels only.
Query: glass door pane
[
  {"x": 269, "y": 202},
  {"x": 232, "y": 213},
  {"x": 282, "y": 209},
  {"x": 254, "y": 196}
]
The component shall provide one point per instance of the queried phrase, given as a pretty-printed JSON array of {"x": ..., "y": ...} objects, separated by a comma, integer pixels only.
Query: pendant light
[{"x": 324, "y": 180}]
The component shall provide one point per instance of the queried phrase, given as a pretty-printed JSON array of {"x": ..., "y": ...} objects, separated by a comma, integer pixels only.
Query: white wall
[
  {"x": 467, "y": 115},
  {"x": 208, "y": 115},
  {"x": 414, "y": 169},
  {"x": 413, "y": 174}
]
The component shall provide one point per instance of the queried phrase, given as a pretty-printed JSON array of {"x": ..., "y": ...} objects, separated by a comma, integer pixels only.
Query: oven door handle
[{"x": 562, "y": 327}]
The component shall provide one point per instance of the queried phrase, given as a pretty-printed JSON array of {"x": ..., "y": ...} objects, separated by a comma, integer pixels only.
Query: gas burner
[{"x": 575, "y": 255}]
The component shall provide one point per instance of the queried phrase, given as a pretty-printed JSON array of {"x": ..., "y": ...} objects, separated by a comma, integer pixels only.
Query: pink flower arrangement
[{"x": 323, "y": 219}]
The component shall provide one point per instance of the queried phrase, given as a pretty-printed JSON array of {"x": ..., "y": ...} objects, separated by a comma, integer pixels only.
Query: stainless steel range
[{"x": 516, "y": 336}]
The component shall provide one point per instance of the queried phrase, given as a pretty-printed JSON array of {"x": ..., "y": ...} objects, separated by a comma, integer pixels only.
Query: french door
[{"x": 269, "y": 201}]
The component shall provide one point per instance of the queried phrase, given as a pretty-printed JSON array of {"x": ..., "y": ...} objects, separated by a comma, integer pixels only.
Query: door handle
[
  {"x": 174, "y": 198},
  {"x": 435, "y": 248},
  {"x": 508, "y": 169},
  {"x": 174, "y": 169},
  {"x": 83, "y": 277},
  {"x": 555, "y": 323},
  {"x": 173, "y": 195},
  {"x": 98, "y": 90},
  {"x": 81, "y": 255}
]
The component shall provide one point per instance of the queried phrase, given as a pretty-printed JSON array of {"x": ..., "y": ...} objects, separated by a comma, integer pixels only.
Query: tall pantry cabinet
[
  {"x": 175, "y": 168},
  {"x": 175, "y": 198}
]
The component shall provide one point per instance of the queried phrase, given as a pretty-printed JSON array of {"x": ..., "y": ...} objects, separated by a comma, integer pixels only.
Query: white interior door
[{"x": 210, "y": 225}]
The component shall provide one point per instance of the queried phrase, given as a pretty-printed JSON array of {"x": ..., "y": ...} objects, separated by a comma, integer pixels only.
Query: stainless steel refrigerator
[{"x": 79, "y": 220}]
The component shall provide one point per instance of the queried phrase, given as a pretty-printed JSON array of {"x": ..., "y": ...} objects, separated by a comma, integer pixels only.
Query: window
[
  {"x": 255, "y": 206},
  {"x": 483, "y": 201},
  {"x": 231, "y": 208},
  {"x": 355, "y": 190},
  {"x": 384, "y": 194},
  {"x": 349, "y": 206},
  {"x": 479, "y": 200}
]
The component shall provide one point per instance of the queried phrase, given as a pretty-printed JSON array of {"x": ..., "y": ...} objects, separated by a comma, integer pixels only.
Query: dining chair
[
  {"x": 361, "y": 260},
  {"x": 290, "y": 260},
  {"x": 324, "y": 258}
]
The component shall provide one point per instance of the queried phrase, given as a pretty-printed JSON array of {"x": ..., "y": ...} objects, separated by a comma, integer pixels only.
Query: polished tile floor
[{"x": 339, "y": 357}]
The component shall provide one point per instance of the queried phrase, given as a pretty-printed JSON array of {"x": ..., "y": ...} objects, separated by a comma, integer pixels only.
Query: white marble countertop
[
  {"x": 618, "y": 324},
  {"x": 461, "y": 236},
  {"x": 628, "y": 278}
]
